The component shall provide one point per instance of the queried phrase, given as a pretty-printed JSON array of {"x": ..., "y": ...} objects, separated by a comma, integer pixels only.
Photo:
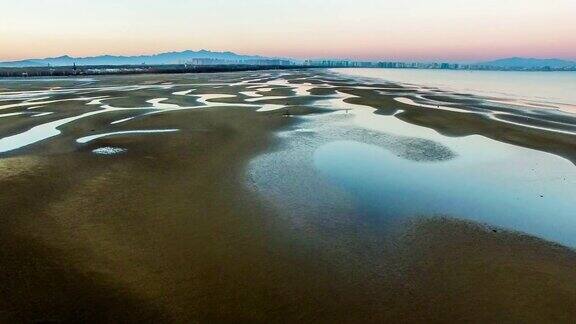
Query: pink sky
[{"x": 460, "y": 30}]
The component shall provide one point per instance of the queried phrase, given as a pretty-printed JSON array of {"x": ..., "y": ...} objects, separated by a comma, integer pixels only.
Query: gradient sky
[{"x": 460, "y": 30}]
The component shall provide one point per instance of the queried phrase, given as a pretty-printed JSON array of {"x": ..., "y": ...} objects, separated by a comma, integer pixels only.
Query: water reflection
[
  {"x": 531, "y": 193},
  {"x": 551, "y": 87}
]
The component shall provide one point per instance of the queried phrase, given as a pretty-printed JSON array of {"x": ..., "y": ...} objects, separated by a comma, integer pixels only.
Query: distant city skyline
[{"x": 419, "y": 30}]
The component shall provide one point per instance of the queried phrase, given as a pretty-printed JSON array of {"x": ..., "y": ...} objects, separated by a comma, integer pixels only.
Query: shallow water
[
  {"x": 555, "y": 87},
  {"x": 522, "y": 191},
  {"x": 393, "y": 169},
  {"x": 108, "y": 150}
]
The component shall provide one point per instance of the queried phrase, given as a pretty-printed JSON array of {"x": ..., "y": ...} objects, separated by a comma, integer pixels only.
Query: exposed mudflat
[{"x": 291, "y": 196}]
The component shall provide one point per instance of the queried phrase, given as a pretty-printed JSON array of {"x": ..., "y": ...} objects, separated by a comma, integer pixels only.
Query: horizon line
[{"x": 343, "y": 58}]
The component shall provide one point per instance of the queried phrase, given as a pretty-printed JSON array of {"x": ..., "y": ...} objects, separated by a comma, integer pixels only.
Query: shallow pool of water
[{"x": 531, "y": 193}]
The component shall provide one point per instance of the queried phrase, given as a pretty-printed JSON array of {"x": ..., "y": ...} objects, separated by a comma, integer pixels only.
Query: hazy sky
[{"x": 361, "y": 29}]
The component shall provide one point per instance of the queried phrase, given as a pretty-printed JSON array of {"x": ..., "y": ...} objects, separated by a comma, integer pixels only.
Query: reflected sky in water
[
  {"x": 556, "y": 87},
  {"x": 517, "y": 189},
  {"x": 485, "y": 181}
]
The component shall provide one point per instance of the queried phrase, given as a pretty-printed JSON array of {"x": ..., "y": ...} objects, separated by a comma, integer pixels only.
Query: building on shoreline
[{"x": 427, "y": 65}]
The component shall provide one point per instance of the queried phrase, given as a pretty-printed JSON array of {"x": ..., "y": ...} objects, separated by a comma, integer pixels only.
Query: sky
[{"x": 415, "y": 30}]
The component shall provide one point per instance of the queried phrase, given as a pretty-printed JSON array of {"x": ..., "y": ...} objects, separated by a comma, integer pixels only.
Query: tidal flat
[{"x": 282, "y": 196}]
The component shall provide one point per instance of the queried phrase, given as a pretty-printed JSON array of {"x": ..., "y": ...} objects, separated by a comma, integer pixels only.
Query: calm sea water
[{"x": 554, "y": 87}]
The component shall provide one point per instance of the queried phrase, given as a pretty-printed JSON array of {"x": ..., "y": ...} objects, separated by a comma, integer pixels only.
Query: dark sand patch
[
  {"x": 479, "y": 274},
  {"x": 147, "y": 221},
  {"x": 571, "y": 127},
  {"x": 290, "y": 101},
  {"x": 319, "y": 91},
  {"x": 277, "y": 92}
]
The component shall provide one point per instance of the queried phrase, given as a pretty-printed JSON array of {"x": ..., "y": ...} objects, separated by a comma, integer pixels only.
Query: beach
[{"x": 282, "y": 196}]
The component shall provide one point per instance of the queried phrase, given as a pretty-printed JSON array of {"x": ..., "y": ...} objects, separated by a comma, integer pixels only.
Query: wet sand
[{"x": 173, "y": 230}]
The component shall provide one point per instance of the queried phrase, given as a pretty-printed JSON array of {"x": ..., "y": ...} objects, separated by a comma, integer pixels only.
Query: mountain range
[{"x": 156, "y": 59}]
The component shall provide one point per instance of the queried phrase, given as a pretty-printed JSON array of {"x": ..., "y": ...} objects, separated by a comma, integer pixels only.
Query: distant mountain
[
  {"x": 529, "y": 63},
  {"x": 157, "y": 59}
]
